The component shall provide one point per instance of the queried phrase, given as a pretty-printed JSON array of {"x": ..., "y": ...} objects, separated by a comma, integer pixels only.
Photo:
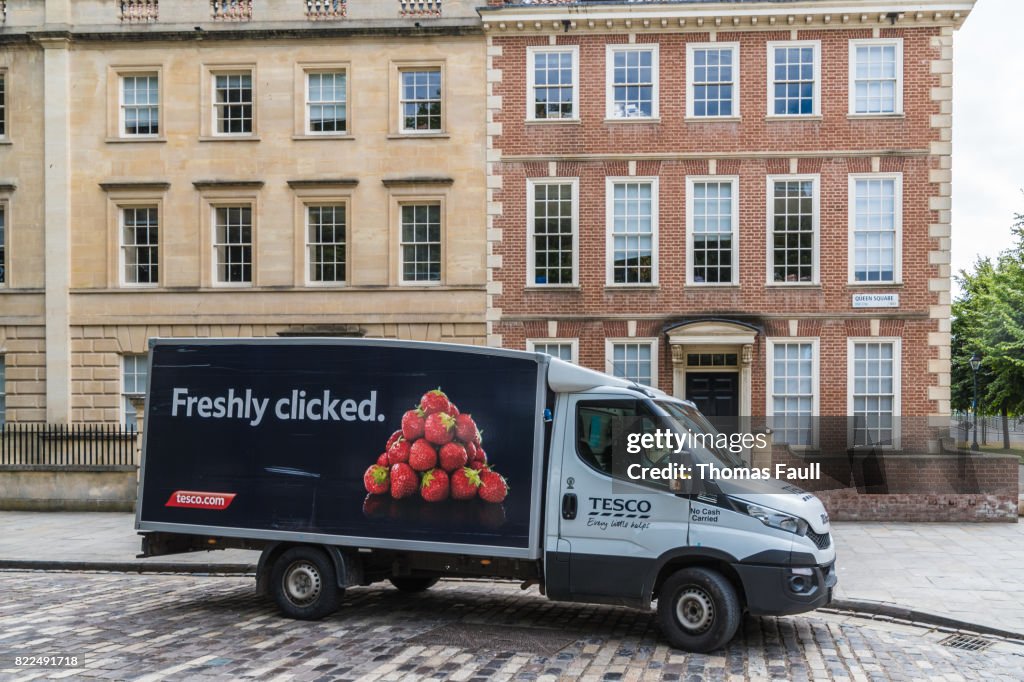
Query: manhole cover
[
  {"x": 484, "y": 636},
  {"x": 966, "y": 642}
]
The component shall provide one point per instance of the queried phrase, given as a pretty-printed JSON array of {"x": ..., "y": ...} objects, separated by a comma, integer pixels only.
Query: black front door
[{"x": 716, "y": 395}]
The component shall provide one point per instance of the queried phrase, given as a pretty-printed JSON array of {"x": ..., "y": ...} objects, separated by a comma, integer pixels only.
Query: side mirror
[{"x": 675, "y": 485}]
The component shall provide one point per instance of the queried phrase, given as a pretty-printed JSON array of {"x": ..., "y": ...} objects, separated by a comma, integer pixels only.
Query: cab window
[{"x": 601, "y": 429}]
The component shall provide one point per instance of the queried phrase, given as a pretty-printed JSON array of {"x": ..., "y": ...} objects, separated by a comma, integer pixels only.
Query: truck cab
[{"x": 706, "y": 550}]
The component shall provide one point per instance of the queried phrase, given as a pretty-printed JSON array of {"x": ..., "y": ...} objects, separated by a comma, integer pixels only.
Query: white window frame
[
  {"x": 5, "y": 240},
  {"x": 308, "y": 203},
  {"x": 531, "y": 189},
  {"x": 421, "y": 201},
  {"x": 609, "y": 212},
  {"x": 3, "y": 390},
  {"x": 770, "y": 225},
  {"x": 691, "y": 48},
  {"x": 214, "y": 262},
  {"x": 307, "y": 105},
  {"x": 5, "y": 105},
  {"x": 215, "y": 73},
  {"x": 772, "y": 46},
  {"x": 531, "y": 101},
  {"x": 408, "y": 67},
  {"x": 609, "y": 80},
  {"x": 609, "y": 362},
  {"x": 897, "y": 393},
  {"x": 851, "y": 219},
  {"x": 815, "y": 382},
  {"x": 121, "y": 132},
  {"x": 690, "y": 182},
  {"x": 125, "y": 394},
  {"x": 122, "y": 247},
  {"x": 880, "y": 42},
  {"x": 574, "y": 346}
]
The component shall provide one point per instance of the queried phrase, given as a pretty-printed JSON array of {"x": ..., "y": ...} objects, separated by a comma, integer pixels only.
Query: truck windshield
[{"x": 685, "y": 419}]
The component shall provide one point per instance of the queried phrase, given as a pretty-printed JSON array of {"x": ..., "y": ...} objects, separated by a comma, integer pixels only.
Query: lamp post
[{"x": 975, "y": 366}]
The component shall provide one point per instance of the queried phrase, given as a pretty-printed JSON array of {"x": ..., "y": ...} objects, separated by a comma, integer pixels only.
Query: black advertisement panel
[{"x": 359, "y": 439}]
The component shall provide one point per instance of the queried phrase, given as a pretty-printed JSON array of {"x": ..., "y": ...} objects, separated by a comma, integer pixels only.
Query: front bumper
[{"x": 769, "y": 589}]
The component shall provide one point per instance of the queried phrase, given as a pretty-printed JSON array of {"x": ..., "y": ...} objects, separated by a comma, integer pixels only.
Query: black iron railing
[{"x": 67, "y": 445}]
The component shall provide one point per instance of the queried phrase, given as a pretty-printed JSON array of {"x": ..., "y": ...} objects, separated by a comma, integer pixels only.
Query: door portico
[{"x": 717, "y": 346}]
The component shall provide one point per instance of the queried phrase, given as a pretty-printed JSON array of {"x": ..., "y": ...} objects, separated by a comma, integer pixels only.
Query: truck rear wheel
[
  {"x": 413, "y": 583},
  {"x": 698, "y": 610},
  {"x": 304, "y": 584}
]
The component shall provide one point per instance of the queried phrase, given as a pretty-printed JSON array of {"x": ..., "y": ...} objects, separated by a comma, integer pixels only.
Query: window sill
[
  {"x": 425, "y": 286},
  {"x": 120, "y": 140},
  {"x": 5, "y": 140},
  {"x": 419, "y": 136},
  {"x": 874, "y": 285},
  {"x": 637, "y": 119},
  {"x": 232, "y": 285},
  {"x": 572, "y": 288},
  {"x": 631, "y": 287},
  {"x": 713, "y": 119},
  {"x": 875, "y": 117},
  {"x": 325, "y": 136},
  {"x": 229, "y": 138},
  {"x": 553, "y": 121},
  {"x": 711, "y": 285},
  {"x": 800, "y": 117},
  {"x": 793, "y": 285}
]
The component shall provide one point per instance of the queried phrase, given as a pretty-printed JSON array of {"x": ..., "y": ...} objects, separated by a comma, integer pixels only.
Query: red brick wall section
[{"x": 942, "y": 487}]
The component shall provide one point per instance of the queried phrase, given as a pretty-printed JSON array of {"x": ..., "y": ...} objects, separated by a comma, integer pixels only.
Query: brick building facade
[{"x": 745, "y": 204}]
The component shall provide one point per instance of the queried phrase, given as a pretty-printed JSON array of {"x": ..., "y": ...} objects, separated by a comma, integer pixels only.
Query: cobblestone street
[{"x": 197, "y": 627}]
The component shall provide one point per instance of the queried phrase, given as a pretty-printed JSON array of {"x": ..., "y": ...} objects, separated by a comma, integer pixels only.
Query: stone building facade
[
  {"x": 231, "y": 168},
  {"x": 746, "y": 204}
]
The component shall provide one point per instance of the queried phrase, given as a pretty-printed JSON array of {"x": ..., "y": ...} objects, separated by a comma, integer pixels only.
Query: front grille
[{"x": 820, "y": 541}]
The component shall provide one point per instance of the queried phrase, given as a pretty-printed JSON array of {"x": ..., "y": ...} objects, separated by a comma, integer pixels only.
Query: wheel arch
[
  {"x": 346, "y": 569},
  {"x": 691, "y": 557}
]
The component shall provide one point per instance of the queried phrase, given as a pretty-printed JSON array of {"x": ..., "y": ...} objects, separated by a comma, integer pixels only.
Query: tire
[
  {"x": 413, "y": 583},
  {"x": 304, "y": 584},
  {"x": 698, "y": 610}
]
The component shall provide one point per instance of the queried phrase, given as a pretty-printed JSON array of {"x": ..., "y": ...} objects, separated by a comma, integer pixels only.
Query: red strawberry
[
  {"x": 493, "y": 487},
  {"x": 412, "y": 424},
  {"x": 376, "y": 480},
  {"x": 452, "y": 456},
  {"x": 452, "y": 410},
  {"x": 399, "y": 452},
  {"x": 434, "y": 401},
  {"x": 434, "y": 487},
  {"x": 391, "y": 441},
  {"x": 464, "y": 483},
  {"x": 422, "y": 455},
  {"x": 404, "y": 481},
  {"x": 439, "y": 428},
  {"x": 383, "y": 460},
  {"x": 479, "y": 461},
  {"x": 471, "y": 451},
  {"x": 465, "y": 428}
]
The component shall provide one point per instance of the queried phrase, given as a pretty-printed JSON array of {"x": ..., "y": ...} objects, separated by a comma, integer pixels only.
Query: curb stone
[{"x": 906, "y": 614}]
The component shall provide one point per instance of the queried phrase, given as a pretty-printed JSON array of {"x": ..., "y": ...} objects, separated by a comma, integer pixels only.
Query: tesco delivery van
[{"x": 353, "y": 461}]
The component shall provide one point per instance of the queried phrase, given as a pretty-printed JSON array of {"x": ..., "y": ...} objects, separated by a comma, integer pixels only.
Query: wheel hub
[
  {"x": 302, "y": 583},
  {"x": 694, "y": 610}
]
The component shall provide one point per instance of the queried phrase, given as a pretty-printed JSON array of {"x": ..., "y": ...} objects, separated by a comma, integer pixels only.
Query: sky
[{"x": 988, "y": 130}]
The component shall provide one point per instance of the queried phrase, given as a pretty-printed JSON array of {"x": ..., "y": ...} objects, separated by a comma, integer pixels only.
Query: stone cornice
[
  {"x": 140, "y": 186},
  {"x": 227, "y": 184},
  {"x": 746, "y": 16},
  {"x": 323, "y": 182},
  {"x": 413, "y": 181}
]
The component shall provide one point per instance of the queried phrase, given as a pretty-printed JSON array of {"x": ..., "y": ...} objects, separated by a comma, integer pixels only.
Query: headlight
[{"x": 775, "y": 519}]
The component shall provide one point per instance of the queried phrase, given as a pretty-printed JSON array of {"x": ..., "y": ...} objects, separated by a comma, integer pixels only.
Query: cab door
[{"x": 613, "y": 528}]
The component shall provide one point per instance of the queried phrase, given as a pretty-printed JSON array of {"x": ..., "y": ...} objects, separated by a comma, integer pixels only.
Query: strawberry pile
[{"x": 438, "y": 453}]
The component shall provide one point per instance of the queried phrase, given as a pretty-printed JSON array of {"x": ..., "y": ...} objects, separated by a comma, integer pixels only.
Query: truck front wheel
[
  {"x": 698, "y": 610},
  {"x": 304, "y": 585},
  {"x": 412, "y": 583}
]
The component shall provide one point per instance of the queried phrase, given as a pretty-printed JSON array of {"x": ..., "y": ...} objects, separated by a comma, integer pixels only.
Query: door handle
[{"x": 569, "y": 506}]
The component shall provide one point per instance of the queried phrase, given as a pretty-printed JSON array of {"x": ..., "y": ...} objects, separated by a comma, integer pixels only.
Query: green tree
[{"x": 970, "y": 311}]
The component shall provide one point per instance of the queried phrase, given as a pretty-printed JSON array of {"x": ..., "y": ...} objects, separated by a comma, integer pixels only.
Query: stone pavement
[
  {"x": 203, "y": 628},
  {"x": 969, "y": 572}
]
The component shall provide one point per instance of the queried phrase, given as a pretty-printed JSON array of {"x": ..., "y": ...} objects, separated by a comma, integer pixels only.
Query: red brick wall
[{"x": 597, "y": 311}]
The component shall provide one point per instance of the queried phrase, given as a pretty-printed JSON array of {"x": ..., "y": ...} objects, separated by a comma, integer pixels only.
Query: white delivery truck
[{"x": 354, "y": 461}]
